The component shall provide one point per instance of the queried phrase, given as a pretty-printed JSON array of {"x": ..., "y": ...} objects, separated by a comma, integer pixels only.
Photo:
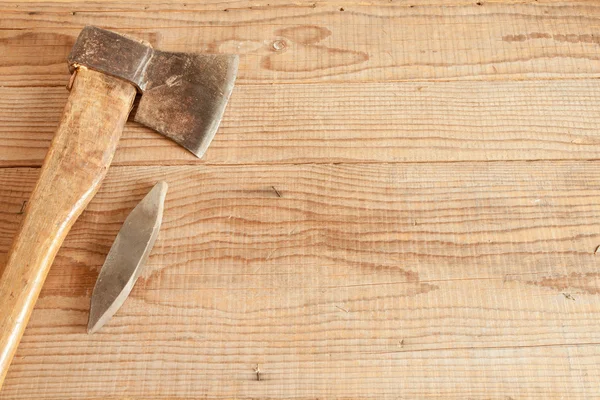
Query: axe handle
[{"x": 74, "y": 168}]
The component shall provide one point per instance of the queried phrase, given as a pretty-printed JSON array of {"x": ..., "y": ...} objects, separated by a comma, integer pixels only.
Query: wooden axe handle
[{"x": 73, "y": 170}]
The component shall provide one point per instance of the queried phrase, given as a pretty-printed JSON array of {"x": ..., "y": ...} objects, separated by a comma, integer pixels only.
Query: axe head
[{"x": 182, "y": 95}]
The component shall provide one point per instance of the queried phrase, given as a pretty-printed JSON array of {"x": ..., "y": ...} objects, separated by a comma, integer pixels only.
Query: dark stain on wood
[
  {"x": 312, "y": 58},
  {"x": 305, "y": 34},
  {"x": 576, "y": 282},
  {"x": 47, "y": 55},
  {"x": 410, "y": 276},
  {"x": 412, "y": 285},
  {"x": 306, "y": 55},
  {"x": 594, "y": 39},
  {"x": 565, "y": 38}
]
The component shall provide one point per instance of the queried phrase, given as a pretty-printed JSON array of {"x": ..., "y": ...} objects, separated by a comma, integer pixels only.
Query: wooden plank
[
  {"x": 207, "y": 5},
  {"x": 329, "y": 42},
  {"x": 457, "y": 280},
  {"x": 382, "y": 122}
]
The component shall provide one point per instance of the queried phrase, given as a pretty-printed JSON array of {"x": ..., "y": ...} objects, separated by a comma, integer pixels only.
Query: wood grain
[
  {"x": 401, "y": 202},
  {"x": 391, "y": 122},
  {"x": 460, "y": 280},
  {"x": 316, "y": 42},
  {"x": 259, "y": 5},
  {"x": 77, "y": 161}
]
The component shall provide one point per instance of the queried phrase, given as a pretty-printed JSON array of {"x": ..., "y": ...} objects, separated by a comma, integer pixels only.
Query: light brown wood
[
  {"x": 376, "y": 122},
  {"x": 243, "y": 5},
  {"x": 438, "y": 222},
  {"x": 316, "y": 41},
  {"x": 73, "y": 170},
  {"x": 475, "y": 280}
]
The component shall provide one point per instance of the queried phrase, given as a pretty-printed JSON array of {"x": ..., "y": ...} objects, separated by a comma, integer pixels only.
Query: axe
[{"x": 181, "y": 95}]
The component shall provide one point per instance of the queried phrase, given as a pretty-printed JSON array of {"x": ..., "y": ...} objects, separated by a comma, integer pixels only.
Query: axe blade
[
  {"x": 183, "y": 95},
  {"x": 186, "y": 95}
]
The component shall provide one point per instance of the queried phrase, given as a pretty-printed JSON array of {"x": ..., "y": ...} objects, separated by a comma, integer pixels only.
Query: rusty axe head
[{"x": 183, "y": 95}]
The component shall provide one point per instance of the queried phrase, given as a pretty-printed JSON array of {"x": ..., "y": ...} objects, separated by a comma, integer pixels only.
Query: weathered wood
[
  {"x": 392, "y": 275},
  {"x": 328, "y": 42},
  {"x": 391, "y": 122},
  {"x": 243, "y": 5},
  {"x": 471, "y": 280},
  {"x": 73, "y": 170}
]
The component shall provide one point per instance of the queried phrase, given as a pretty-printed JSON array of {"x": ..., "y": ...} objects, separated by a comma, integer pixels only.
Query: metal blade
[
  {"x": 186, "y": 95},
  {"x": 183, "y": 95},
  {"x": 127, "y": 257}
]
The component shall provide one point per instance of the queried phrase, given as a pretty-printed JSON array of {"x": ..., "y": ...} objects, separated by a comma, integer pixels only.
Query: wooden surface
[
  {"x": 77, "y": 162},
  {"x": 403, "y": 201}
]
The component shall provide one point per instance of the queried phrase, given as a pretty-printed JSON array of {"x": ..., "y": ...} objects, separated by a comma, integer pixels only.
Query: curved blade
[
  {"x": 127, "y": 257},
  {"x": 186, "y": 95},
  {"x": 183, "y": 95}
]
